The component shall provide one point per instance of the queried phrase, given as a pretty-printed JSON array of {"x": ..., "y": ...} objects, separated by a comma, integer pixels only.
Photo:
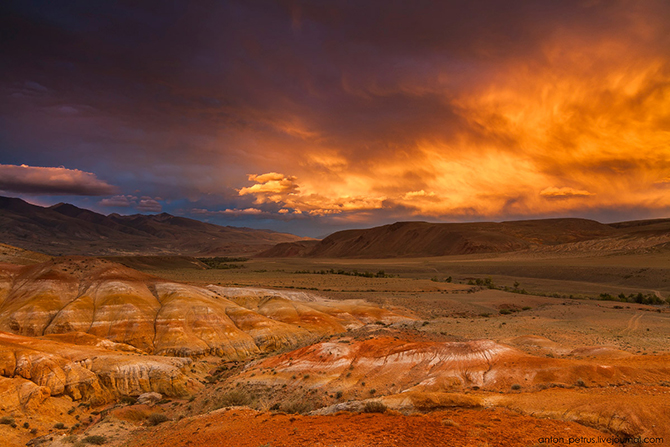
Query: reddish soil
[{"x": 459, "y": 427}]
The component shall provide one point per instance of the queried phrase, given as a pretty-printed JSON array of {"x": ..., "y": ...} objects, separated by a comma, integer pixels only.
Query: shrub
[
  {"x": 516, "y": 386},
  {"x": 235, "y": 398},
  {"x": 128, "y": 400},
  {"x": 6, "y": 420},
  {"x": 59, "y": 425},
  {"x": 157, "y": 418},
  {"x": 581, "y": 383},
  {"x": 505, "y": 312},
  {"x": 374, "y": 407},
  {"x": 298, "y": 406},
  {"x": 95, "y": 440},
  {"x": 70, "y": 439}
]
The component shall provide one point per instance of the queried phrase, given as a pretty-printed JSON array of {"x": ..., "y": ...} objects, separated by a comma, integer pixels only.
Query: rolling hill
[{"x": 420, "y": 239}]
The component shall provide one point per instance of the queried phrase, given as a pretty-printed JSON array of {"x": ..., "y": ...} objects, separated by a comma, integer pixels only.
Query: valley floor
[{"x": 493, "y": 351}]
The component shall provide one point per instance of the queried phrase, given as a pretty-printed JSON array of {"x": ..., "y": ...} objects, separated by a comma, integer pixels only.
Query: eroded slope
[{"x": 114, "y": 302}]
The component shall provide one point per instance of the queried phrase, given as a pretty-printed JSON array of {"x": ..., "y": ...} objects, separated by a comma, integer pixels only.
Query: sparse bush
[
  {"x": 6, "y": 420},
  {"x": 338, "y": 395},
  {"x": 374, "y": 407},
  {"x": 505, "y": 312},
  {"x": 223, "y": 263},
  {"x": 157, "y": 418},
  {"x": 95, "y": 440},
  {"x": 298, "y": 406},
  {"x": 516, "y": 387},
  {"x": 128, "y": 400},
  {"x": 581, "y": 383},
  {"x": 526, "y": 308},
  {"x": 59, "y": 425},
  {"x": 26, "y": 425},
  {"x": 235, "y": 398},
  {"x": 70, "y": 439}
]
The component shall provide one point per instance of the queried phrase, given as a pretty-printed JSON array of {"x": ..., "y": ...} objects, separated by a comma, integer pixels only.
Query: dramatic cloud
[
  {"x": 270, "y": 187},
  {"x": 52, "y": 181},
  {"x": 348, "y": 112},
  {"x": 283, "y": 190}
]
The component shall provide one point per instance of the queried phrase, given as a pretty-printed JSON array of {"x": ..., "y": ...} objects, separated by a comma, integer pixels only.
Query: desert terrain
[{"x": 556, "y": 344}]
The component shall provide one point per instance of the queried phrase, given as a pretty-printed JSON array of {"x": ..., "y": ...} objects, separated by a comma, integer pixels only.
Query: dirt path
[{"x": 633, "y": 323}]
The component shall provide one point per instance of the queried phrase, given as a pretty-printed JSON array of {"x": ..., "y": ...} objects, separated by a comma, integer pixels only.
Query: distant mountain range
[
  {"x": 65, "y": 229},
  {"x": 421, "y": 239}
]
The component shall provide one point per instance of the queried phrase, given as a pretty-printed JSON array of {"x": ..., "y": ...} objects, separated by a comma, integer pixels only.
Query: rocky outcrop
[
  {"x": 19, "y": 394},
  {"x": 122, "y": 305},
  {"x": 81, "y": 371}
]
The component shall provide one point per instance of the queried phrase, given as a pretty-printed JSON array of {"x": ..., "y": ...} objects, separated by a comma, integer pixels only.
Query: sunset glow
[{"x": 307, "y": 113}]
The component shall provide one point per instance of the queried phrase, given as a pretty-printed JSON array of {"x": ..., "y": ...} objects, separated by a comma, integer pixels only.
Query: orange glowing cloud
[
  {"x": 284, "y": 190},
  {"x": 583, "y": 127},
  {"x": 440, "y": 110}
]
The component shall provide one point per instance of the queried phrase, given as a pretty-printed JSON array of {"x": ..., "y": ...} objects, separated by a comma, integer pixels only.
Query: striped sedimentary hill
[{"x": 157, "y": 316}]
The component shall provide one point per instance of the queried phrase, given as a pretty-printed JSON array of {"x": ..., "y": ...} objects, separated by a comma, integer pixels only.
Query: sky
[{"x": 314, "y": 116}]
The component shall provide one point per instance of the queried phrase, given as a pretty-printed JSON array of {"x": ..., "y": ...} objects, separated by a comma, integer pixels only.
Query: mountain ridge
[{"x": 65, "y": 229}]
